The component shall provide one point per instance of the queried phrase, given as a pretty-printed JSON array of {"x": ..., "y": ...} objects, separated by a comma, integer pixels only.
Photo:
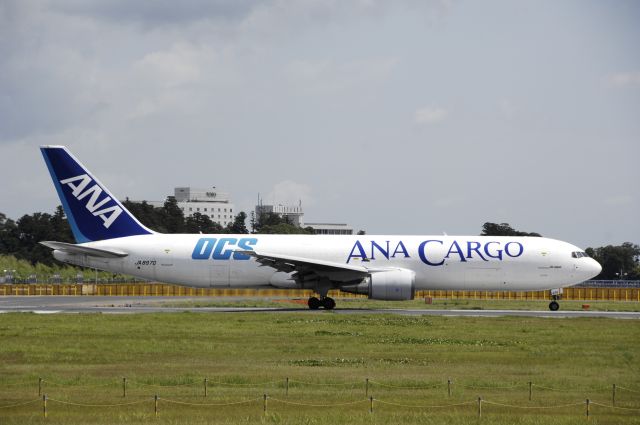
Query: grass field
[
  {"x": 327, "y": 358},
  {"x": 363, "y": 303}
]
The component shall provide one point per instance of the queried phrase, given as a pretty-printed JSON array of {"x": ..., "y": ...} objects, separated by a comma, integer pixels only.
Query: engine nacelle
[{"x": 391, "y": 285}]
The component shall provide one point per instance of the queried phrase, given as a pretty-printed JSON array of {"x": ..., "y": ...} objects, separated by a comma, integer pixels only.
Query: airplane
[{"x": 384, "y": 267}]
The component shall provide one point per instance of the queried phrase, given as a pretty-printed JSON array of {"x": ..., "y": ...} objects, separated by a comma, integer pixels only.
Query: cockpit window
[{"x": 579, "y": 254}]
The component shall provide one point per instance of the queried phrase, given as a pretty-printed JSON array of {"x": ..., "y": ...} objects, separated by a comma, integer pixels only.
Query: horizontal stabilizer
[{"x": 83, "y": 250}]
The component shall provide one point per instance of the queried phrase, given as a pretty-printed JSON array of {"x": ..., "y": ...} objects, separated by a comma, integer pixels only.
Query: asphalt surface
[{"x": 123, "y": 305}]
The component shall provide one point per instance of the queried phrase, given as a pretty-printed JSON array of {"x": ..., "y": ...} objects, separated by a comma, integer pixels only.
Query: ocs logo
[{"x": 223, "y": 248}]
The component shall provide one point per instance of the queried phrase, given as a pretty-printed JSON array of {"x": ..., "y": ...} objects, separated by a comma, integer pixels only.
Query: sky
[{"x": 404, "y": 117}]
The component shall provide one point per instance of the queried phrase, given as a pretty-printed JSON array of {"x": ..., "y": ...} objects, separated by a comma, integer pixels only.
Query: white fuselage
[{"x": 439, "y": 262}]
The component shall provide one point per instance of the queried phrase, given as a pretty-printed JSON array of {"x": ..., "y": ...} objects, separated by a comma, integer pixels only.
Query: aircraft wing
[
  {"x": 309, "y": 269},
  {"x": 83, "y": 250}
]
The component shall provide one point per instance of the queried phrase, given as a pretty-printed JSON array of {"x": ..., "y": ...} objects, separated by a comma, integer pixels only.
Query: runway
[{"x": 135, "y": 305}]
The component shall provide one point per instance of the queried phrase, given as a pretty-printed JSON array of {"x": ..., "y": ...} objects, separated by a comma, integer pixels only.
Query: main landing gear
[{"x": 327, "y": 302}]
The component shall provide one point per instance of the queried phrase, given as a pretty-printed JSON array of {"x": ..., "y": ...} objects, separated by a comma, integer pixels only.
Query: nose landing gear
[
  {"x": 553, "y": 305},
  {"x": 327, "y": 302}
]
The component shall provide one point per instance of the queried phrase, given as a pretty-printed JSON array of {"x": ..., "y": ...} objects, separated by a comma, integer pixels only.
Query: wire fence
[
  {"x": 608, "y": 292},
  {"x": 51, "y": 396}
]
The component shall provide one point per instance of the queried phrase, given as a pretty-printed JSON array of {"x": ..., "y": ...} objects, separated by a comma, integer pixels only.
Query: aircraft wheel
[
  {"x": 313, "y": 303},
  {"x": 328, "y": 303},
  {"x": 554, "y": 306}
]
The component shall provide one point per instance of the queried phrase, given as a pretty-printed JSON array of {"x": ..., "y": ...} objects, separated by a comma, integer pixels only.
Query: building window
[
  {"x": 205, "y": 210},
  {"x": 230, "y": 210},
  {"x": 190, "y": 209}
]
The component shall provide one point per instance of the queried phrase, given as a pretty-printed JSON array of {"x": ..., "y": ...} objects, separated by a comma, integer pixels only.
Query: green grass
[
  {"x": 450, "y": 304},
  {"x": 245, "y": 355}
]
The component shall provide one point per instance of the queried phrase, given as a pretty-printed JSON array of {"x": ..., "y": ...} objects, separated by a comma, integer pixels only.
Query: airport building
[
  {"x": 330, "y": 228},
  {"x": 211, "y": 202},
  {"x": 293, "y": 213}
]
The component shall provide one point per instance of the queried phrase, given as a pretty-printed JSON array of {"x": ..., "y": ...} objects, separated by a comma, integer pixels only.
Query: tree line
[
  {"x": 170, "y": 219},
  {"x": 19, "y": 239}
]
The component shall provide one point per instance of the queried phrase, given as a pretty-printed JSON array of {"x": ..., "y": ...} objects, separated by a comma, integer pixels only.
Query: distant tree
[
  {"x": 32, "y": 229},
  {"x": 200, "y": 223},
  {"x": 8, "y": 235},
  {"x": 22, "y": 238},
  {"x": 268, "y": 219},
  {"x": 503, "y": 229},
  {"x": 60, "y": 226},
  {"x": 146, "y": 214},
  {"x": 172, "y": 216},
  {"x": 285, "y": 228},
  {"x": 616, "y": 260},
  {"x": 273, "y": 223},
  {"x": 238, "y": 226},
  {"x": 5, "y": 222}
]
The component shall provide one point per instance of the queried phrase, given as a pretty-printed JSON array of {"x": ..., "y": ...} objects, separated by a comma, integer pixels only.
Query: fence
[
  {"x": 159, "y": 289},
  {"x": 526, "y": 393}
]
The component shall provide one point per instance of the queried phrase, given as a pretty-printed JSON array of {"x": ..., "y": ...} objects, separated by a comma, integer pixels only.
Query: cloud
[
  {"x": 158, "y": 13},
  {"x": 173, "y": 67},
  {"x": 447, "y": 202},
  {"x": 507, "y": 109},
  {"x": 330, "y": 76},
  {"x": 288, "y": 192},
  {"x": 624, "y": 80},
  {"x": 619, "y": 200},
  {"x": 431, "y": 115}
]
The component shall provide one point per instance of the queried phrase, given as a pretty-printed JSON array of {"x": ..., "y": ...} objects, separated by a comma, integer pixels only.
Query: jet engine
[{"x": 388, "y": 285}]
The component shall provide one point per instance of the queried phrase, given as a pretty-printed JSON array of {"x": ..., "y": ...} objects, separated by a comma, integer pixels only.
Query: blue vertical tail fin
[{"x": 93, "y": 213}]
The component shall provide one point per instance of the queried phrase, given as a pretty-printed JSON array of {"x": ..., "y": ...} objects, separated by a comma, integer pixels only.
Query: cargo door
[
  {"x": 219, "y": 274},
  {"x": 485, "y": 279},
  {"x": 164, "y": 266}
]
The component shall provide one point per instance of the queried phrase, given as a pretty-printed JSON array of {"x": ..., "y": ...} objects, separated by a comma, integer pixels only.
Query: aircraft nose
[{"x": 593, "y": 268}]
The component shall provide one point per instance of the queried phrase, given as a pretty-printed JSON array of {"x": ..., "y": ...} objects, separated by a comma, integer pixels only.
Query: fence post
[
  {"x": 44, "y": 405},
  {"x": 205, "y": 386},
  {"x": 613, "y": 395},
  {"x": 479, "y": 407},
  {"x": 264, "y": 404},
  {"x": 287, "y": 387},
  {"x": 39, "y": 386},
  {"x": 588, "y": 401},
  {"x": 371, "y": 404},
  {"x": 124, "y": 387},
  {"x": 155, "y": 407},
  {"x": 530, "y": 385},
  {"x": 449, "y": 387},
  {"x": 366, "y": 387}
]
